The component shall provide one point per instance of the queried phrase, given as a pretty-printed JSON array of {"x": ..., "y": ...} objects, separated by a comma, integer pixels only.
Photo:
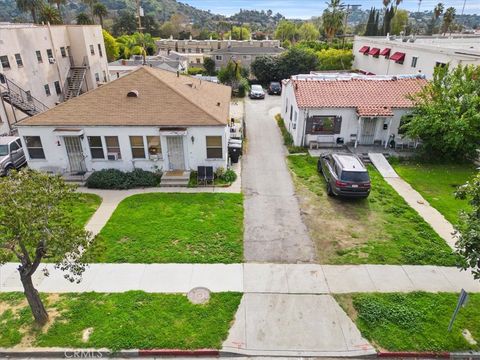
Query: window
[
  {"x": 214, "y": 147},
  {"x": 58, "y": 89},
  {"x": 92, "y": 50},
  {"x": 286, "y": 106},
  {"x": 49, "y": 54},
  {"x": 18, "y": 59},
  {"x": 39, "y": 56},
  {"x": 97, "y": 77},
  {"x": 96, "y": 147},
  {"x": 323, "y": 125},
  {"x": 4, "y": 61},
  {"x": 113, "y": 145},
  {"x": 47, "y": 89},
  {"x": 138, "y": 149},
  {"x": 291, "y": 112},
  {"x": 63, "y": 51},
  {"x": 219, "y": 57},
  {"x": 14, "y": 146},
  {"x": 414, "y": 61},
  {"x": 440, "y": 64},
  {"x": 34, "y": 147},
  {"x": 100, "y": 52},
  {"x": 198, "y": 61},
  {"x": 154, "y": 146}
]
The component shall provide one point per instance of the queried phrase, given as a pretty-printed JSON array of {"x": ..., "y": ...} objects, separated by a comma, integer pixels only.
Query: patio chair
[
  {"x": 201, "y": 174},
  {"x": 209, "y": 175}
]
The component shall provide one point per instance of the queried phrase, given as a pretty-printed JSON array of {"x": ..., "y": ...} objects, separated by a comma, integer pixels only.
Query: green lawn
[
  {"x": 437, "y": 184},
  {"x": 83, "y": 210},
  {"x": 130, "y": 320},
  {"x": 382, "y": 229},
  {"x": 176, "y": 228},
  {"x": 414, "y": 321}
]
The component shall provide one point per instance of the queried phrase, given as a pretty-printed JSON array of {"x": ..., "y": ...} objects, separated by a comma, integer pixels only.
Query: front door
[
  {"x": 367, "y": 136},
  {"x": 75, "y": 155},
  {"x": 176, "y": 158}
]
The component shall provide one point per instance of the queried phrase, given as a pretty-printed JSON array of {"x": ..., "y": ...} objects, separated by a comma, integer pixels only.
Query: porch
[{"x": 175, "y": 178}]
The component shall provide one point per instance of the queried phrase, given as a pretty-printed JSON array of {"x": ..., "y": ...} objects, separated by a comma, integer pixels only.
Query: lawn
[
  {"x": 382, "y": 229},
  {"x": 83, "y": 210},
  {"x": 414, "y": 321},
  {"x": 130, "y": 320},
  {"x": 172, "y": 228},
  {"x": 437, "y": 184}
]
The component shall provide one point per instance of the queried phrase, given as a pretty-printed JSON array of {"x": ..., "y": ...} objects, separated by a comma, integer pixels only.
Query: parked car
[
  {"x": 274, "y": 88},
  {"x": 256, "y": 92},
  {"x": 11, "y": 154},
  {"x": 345, "y": 174}
]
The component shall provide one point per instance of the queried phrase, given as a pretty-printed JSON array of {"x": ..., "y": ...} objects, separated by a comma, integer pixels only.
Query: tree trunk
[
  {"x": 101, "y": 20},
  {"x": 34, "y": 15},
  {"x": 33, "y": 298}
]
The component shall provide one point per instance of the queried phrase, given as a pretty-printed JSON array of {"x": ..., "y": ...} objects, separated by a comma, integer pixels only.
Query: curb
[
  {"x": 176, "y": 352},
  {"x": 406, "y": 354}
]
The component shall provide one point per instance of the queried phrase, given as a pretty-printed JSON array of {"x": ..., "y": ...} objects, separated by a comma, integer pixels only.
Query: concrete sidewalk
[
  {"x": 431, "y": 215},
  {"x": 249, "y": 278}
]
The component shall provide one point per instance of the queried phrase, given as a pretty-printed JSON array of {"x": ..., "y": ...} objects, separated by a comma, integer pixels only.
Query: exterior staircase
[
  {"x": 176, "y": 178},
  {"x": 19, "y": 98},
  {"x": 74, "y": 82}
]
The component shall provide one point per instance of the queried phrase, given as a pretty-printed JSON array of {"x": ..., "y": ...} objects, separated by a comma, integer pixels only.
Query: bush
[
  {"x": 335, "y": 59},
  {"x": 195, "y": 71},
  {"x": 229, "y": 176},
  {"x": 287, "y": 137},
  {"x": 119, "y": 180},
  {"x": 243, "y": 87}
]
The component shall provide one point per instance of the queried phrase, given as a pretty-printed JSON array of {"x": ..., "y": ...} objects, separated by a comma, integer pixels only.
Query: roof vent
[
  {"x": 132, "y": 93},
  {"x": 218, "y": 104}
]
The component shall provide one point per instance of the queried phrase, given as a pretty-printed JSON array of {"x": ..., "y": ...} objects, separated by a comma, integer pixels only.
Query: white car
[{"x": 256, "y": 92}]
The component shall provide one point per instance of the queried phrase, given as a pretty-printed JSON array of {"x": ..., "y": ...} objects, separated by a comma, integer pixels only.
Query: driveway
[{"x": 274, "y": 231}]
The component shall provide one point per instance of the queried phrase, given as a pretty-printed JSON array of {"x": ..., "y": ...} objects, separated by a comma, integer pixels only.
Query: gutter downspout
[
  {"x": 6, "y": 115},
  {"x": 305, "y": 118},
  {"x": 358, "y": 131}
]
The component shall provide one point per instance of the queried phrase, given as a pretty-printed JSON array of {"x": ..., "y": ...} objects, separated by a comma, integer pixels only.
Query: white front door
[
  {"x": 76, "y": 158},
  {"x": 367, "y": 135},
  {"x": 176, "y": 156}
]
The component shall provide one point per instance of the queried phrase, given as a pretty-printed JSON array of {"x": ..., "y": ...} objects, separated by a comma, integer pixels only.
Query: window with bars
[
  {"x": 92, "y": 50},
  {"x": 58, "y": 89},
  {"x": 63, "y": 51},
  {"x": 49, "y": 54},
  {"x": 96, "y": 147},
  {"x": 39, "y": 56},
  {"x": 113, "y": 146},
  {"x": 138, "y": 147},
  {"x": 4, "y": 61},
  {"x": 214, "y": 147},
  {"x": 100, "y": 52},
  {"x": 154, "y": 146},
  {"x": 18, "y": 59},
  {"x": 34, "y": 147},
  {"x": 47, "y": 89}
]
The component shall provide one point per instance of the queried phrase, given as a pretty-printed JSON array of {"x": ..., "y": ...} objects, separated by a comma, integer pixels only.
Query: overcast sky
[{"x": 305, "y": 9}]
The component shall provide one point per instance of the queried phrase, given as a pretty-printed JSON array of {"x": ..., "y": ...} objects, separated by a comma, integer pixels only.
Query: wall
[
  {"x": 56, "y": 156},
  {"x": 206, "y": 46}
]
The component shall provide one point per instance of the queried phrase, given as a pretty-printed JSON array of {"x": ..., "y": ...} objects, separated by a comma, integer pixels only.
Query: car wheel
[
  {"x": 8, "y": 171},
  {"x": 329, "y": 189}
]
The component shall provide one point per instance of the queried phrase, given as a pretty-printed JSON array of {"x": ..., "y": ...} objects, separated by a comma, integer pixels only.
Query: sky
[{"x": 305, "y": 9}]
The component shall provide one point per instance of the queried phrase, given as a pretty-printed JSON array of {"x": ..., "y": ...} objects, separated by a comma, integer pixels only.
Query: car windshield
[
  {"x": 3, "y": 150},
  {"x": 275, "y": 85},
  {"x": 257, "y": 88},
  {"x": 355, "y": 176}
]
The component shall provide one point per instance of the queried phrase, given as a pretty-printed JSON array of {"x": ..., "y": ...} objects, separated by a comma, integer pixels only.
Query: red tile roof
[{"x": 369, "y": 97}]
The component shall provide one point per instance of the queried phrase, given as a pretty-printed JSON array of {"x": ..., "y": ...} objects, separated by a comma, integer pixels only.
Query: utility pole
[{"x": 140, "y": 30}]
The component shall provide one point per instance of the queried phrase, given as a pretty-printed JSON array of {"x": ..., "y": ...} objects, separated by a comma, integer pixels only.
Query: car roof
[
  {"x": 349, "y": 162},
  {"x": 274, "y": 83},
  {"x": 4, "y": 140},
  {"x": 257, "y": 86}
]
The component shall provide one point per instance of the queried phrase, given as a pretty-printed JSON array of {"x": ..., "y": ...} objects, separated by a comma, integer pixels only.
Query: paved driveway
[{"x": 274, "y": 231}]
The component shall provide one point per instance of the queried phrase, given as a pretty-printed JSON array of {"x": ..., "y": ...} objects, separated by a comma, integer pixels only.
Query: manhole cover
[{"x": 199, "y": 295}]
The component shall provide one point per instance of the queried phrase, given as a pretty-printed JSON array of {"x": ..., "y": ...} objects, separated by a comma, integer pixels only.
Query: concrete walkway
[
  {"x": 431, "y": 215},
  {"x": 249, "y": 278}
]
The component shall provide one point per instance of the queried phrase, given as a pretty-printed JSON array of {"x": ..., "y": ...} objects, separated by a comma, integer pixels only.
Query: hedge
[{"x": 119, "y": 180}]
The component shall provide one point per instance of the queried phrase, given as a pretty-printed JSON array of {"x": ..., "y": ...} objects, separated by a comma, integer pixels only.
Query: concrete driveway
[{"x": 274, "y": 231}]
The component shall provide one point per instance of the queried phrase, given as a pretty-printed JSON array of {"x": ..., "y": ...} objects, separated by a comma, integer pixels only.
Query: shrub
[
  {"x": 287, "y": 137},
  {"x": 195, "y": 71},
  {"x": 229, "y": 176},
  {"x": 119, "y": 180},
  {"x": 243, "y": 87}
]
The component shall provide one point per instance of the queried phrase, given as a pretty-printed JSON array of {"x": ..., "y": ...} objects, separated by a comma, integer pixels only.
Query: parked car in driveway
[
  {"x": 345, "y": 174},
  {"x": 11, "y": 154},
  {"x": 275, "y": 88},
  {"x": 256, "y": 92}
]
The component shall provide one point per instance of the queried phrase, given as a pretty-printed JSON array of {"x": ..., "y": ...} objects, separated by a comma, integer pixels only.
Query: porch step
[{"x": 175, "y": 178}]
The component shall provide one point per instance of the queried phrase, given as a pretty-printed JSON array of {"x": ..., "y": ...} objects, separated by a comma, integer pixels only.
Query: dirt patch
[{"x": 346, "y": 302}]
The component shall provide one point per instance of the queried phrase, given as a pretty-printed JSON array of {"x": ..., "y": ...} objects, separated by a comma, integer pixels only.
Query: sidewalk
[
  {"x": 431, "y": 215},
  {"x": 249, "y": 278}
]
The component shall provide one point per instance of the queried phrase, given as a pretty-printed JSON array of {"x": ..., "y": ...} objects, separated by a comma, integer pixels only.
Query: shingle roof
[
  {"x": 163, "y": 100},
  {"x": 369, "y": 97}
]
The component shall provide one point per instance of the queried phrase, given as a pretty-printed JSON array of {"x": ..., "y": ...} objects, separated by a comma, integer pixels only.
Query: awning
[
  {"x": 385, "y": 52},
  {"x": 364, "y": 50},
  {"x": 374, "y": 51},
  {"x": 398, "y": 57},
  {"x": 68, "y": 132}
]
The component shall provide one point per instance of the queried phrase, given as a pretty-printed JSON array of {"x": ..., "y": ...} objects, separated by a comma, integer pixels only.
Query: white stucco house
[
  {"x": 351, "y": 109},
  {"x": 150, "y": 119}
]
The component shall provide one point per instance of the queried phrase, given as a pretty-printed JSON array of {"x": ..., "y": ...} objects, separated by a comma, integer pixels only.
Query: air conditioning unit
[
  {"x": 51, "y": 60},
  {"x": 154, "y": 157},
  {"x": 112, "y": 156}
]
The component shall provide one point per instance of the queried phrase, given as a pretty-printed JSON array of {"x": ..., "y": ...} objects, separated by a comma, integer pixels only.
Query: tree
[
  {"x": 230, "y": 74},
  {"x": 448, "y": 20},
  {"x": 111, "y": 46},
  {"x": 446, "y": 116},
  {"x": 90, "y": 4},
  {"x": 167, "y": 29},
  {"x": 308, "y": 31},
  {"x": 332, "y": 18},
  {"x": 399, "y": 22},
  {"x": 239, "y": 33},
  {"x": 125, "y": 23},
  {"x": 59, "y": 4},
  {"x": 100, "y": 11},
  {"x": 83, "y": 19},
  {"x": 151, "y": 25},
  {"x": 209, "y": 65},
  {"x": 31, "y": 6},
  {"x": 467, "y": 231},
  {"x": 286, "y": 30},
  {"x": 266, "y": 69},
  {"x": 36, "y": 222},
  {"x": 437, "y": 11},
  {"x": 334, "y": 59},
  {"x": 49, "y": 14}
]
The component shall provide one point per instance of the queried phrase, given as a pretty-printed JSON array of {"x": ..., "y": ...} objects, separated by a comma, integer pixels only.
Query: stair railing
[{"x": 21, "y": 97}]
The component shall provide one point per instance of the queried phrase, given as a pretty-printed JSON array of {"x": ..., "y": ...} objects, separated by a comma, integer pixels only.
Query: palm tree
[
  {"x": 32, "y": 6},
  {"x": 438, "y": 10},
  {"x": 90, "y": 4},
  {"x": 332, "y": 18},
  {"x": 49, "y": 14},
  {"x": 100, "y": 11},
  {"x": 448, "y": 19},
  {"x": 83, "y": 19},
  {"x": 58, "y": 3}
]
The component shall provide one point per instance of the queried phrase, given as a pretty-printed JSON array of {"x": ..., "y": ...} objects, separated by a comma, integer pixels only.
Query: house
[
  {"x": 244, "y": 55},
  {"x": 393, "y": 55},
  {"x": 346, "y": 108},
  {"x": 42, "y": 65},
  {"x": 150, "y": 119}
]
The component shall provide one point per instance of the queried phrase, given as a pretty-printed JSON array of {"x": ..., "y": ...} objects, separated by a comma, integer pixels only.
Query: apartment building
[
  {"x": 43, "y": 65},
  {"x": 243, "y": 55},
  {"x": 396, "y": 55}
]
